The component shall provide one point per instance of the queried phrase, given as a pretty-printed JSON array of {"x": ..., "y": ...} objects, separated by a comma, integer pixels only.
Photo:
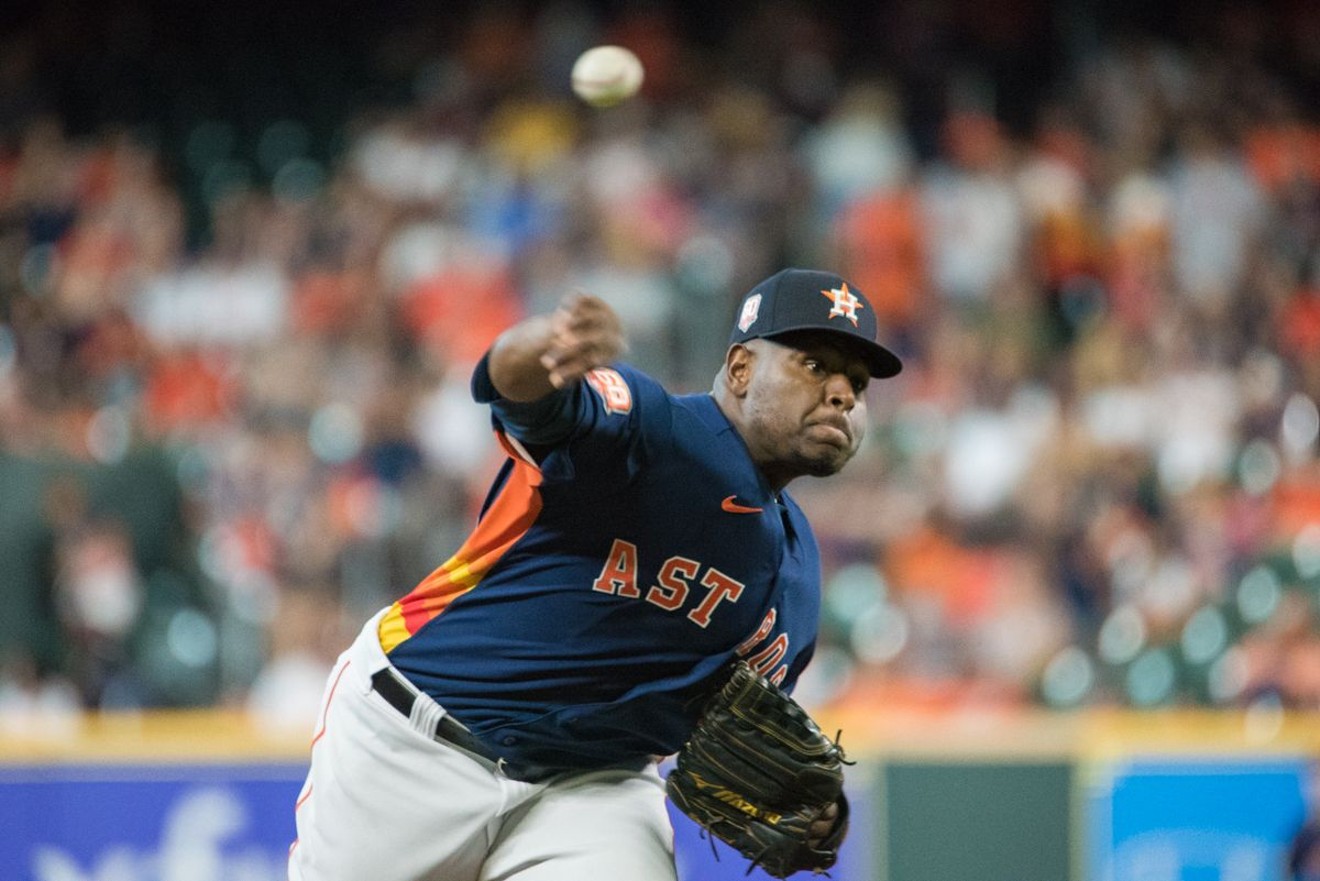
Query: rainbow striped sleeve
[{"x": 506, "y": 520}]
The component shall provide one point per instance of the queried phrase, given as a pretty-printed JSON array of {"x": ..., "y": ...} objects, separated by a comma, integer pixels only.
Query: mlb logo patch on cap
[
  {"x": 808, "y": 299},
  {"x": 750, "y": 309}
]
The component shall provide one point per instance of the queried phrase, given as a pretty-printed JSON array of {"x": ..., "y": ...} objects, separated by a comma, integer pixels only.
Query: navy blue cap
[{"x": 807, "y": 299}]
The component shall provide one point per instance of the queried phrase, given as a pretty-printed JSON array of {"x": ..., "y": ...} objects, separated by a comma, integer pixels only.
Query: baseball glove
[{"x": 757, "y": 772}]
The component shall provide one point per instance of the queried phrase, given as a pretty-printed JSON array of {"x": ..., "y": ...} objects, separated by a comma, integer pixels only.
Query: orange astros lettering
[{"x": 619, "y": 575}]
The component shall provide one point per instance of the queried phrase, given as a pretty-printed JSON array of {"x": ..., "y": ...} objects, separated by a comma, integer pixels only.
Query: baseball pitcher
[{"x": 639, "y": 584}]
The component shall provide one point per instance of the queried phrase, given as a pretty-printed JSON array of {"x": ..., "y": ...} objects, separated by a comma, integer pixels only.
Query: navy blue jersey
[{"x": 627, "y": 553}]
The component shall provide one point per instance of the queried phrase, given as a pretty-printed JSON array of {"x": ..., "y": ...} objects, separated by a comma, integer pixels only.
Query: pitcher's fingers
[
  {"x": 589, "y": 318},
  {"x": 821, "y": 827},
  {"x": 570, "y": 369}
]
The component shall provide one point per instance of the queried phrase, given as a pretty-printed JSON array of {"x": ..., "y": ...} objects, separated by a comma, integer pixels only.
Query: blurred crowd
[{"x": 234, "y": 356}]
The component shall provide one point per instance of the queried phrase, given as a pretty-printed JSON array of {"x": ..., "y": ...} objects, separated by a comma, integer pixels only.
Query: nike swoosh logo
[{"x": 734, "y": 508}]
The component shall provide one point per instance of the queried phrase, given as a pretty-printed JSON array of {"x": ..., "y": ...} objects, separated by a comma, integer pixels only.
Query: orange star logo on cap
[{"x": 846, "y": 303}]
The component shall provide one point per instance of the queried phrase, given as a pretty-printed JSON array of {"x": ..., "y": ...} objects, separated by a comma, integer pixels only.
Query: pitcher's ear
[{"x": 738, "y": 361}]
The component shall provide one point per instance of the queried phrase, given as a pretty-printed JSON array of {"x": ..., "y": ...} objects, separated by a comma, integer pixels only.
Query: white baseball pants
[{"x": 385, "y": 801}]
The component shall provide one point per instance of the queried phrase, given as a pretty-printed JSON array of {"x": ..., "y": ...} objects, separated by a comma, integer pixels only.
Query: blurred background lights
[
  {"x": 1263, "y": 719},
  {"x": 1258, "y": 594},
  {"x": 1068, "y": 677},
  {"x": 1306, "y": 551},
  {"x": 879, "y": 634},
  {"x": 1204, "y": 636},
  {"x": 1259, "y": 467},
  {"x": 1122, "y": 635},
  {"x": 1300, "y": 425},
  {"x": 1171, "y": 589},
  {"x": 1131, "y": 560},
  {"x": 211, "y": 554},
  {"x": 225, "y": 178},
  {"x": 298, "y": 180},
  {"x": 335, "y": 433},
  {"x": 854, "y": 589},
  {"x": 109, "y": 435},
  {"x": 1227, "y": 676},
  {"x": 192, "y": 638},
  {"x": 1150, "y": 679}
]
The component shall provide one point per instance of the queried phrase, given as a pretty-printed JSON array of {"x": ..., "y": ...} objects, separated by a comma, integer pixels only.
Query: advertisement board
[
  {"x": 147, "y": 822},
  {"x": 1203, "y": 819}
]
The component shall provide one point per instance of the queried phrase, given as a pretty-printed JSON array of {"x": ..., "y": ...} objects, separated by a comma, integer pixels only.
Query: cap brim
[
  {"x": 881, "y": 362},
  {"x": 884, "y": 363}
]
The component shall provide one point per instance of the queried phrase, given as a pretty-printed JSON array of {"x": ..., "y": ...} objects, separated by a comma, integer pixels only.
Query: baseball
[{"x": 606, "y": 75}]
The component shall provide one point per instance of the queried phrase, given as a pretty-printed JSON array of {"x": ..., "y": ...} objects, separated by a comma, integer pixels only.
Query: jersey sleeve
[
  {"x": 604, "y": 424},
  {"x": 542, "y": 422}
]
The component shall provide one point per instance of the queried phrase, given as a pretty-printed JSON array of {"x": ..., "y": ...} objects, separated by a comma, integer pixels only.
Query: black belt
[{"x": 449, "y": 730}]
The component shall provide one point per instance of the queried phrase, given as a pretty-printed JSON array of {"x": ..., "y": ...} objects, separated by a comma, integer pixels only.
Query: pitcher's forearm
[{"x": 541, "y": 354}]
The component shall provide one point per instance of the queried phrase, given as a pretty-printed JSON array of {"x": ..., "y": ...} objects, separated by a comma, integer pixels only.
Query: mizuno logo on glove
[{"x": 733, "y": 799}]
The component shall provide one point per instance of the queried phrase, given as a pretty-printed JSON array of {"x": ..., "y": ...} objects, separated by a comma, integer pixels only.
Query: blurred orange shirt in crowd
[
  {"x": 1296, "y": 500},
  {"x": 928, "y": 563},
  {"x": 1299, "y": 324},
  {"x": 187, "y": 389},
  {"x": 880, "y": 248},
  {"x": 1278, "y": 155},
  {"x": 324, "y": 301},
  {"x": 457, "y": 313}
]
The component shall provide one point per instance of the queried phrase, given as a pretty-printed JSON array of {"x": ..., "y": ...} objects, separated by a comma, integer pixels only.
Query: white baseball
[{"x": 605, "y": 75}]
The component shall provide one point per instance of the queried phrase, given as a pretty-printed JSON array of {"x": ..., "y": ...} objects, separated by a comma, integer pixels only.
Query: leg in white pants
[
  {"x": 385, "y": 802},
  {"x": 600, "y": 825}
]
